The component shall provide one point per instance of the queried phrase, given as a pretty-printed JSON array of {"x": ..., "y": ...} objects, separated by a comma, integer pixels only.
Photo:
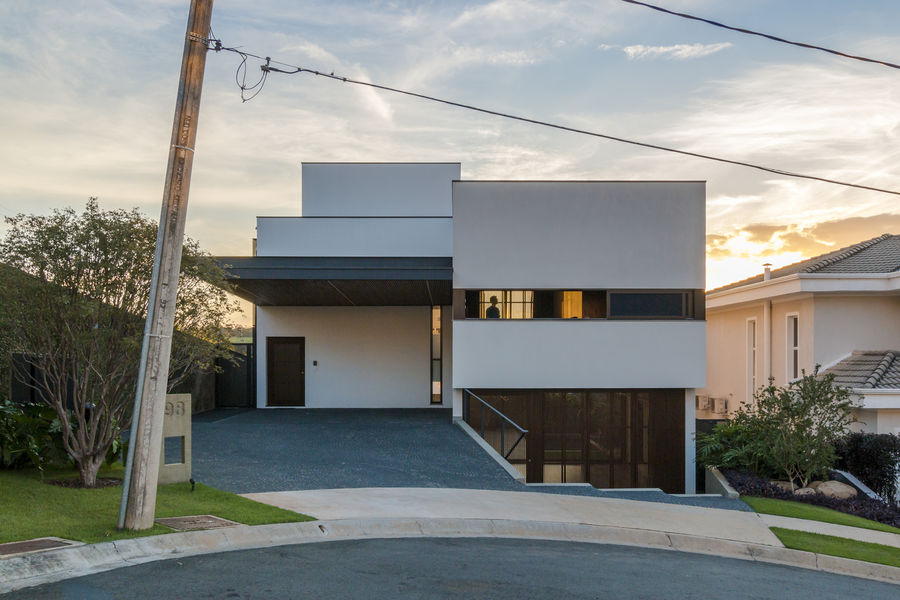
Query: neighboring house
[
  {"x": 574, "y": 308},
  {"x": 874, "y": 377},
  {"x": 840, "y": 310}
]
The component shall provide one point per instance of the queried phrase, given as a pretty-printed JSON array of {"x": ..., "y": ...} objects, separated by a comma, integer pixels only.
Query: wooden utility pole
[{"x": 142, "y": 468}]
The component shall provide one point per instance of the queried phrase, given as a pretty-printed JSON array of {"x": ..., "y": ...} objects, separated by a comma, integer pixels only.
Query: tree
[
  {"x": 73, "y": 301},
  {"x": 788, "y": 431}
]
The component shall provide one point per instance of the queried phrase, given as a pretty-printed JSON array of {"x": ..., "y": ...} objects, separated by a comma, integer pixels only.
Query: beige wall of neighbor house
[
  {"x": 728, "y": 364},
  {"x": 886, "y": 420},
  {"x": 889, "y": 420},
  {"x": 858, "y": 322},
  {"x": 366, "y": 357},
  {"x": 831, "y": 326},
  {"x": 781, "y": 338},
  {"x": 729, "y": 371}
]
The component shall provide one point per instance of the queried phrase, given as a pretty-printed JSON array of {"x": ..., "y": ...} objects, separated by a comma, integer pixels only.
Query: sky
[{"x": 89, "y": 92}]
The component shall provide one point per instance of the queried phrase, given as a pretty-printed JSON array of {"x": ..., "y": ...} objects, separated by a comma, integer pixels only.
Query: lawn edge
[{"x": 893, "y": 530}]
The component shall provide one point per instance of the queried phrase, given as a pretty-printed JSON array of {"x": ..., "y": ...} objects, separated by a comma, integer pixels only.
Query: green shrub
[
  {"x": 29, "y": 436},
  {"x": 787, "y": 432},
  {"x": 736, "y": 444},
  {"x": 874, "y": 458}
]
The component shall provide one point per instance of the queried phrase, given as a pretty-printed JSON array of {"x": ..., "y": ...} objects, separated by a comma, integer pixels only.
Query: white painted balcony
[
  {"x": 354, "y": 236},
  {"x": 578, "y": 354}
]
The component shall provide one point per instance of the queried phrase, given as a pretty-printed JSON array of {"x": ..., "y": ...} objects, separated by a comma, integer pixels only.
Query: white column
[
  {"x": 690, "y": 453},
  {"x": 457, "y": 404}
]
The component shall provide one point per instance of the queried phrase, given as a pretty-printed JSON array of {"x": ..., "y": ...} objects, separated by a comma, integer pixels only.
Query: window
[
  {"x": 650, "y": 305},
  {"x": 436, "y": 368},
  {"x": 751, "y": 359},
  {"x": 793, "y": 346},
  {"x": 580, "y": 304},
  {"x": 506, "y": 304}
]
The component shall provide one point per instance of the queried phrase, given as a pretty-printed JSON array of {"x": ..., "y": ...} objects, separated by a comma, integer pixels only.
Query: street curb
[{"x": 54, "y": 565}]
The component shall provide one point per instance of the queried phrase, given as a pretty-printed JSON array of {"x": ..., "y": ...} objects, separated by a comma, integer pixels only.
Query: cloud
[
  {"x": 674, "y": 52},
  {"x": 757, "y": 240},
  {"x": 371, "y": 99}
]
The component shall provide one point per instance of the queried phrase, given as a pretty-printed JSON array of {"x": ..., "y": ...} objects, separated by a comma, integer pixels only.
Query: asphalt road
[{"x": 459, "y": 568}]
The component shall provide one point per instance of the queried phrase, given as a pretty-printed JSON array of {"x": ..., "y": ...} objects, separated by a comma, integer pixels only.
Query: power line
[
  {"x": 765, "y": 35},
  {"x": 294, "y": 69}
]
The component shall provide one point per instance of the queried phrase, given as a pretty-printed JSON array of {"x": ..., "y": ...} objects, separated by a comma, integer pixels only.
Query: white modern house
[
  {"x": 840, "y": 310},
  {"x": 570, "y": 309}
]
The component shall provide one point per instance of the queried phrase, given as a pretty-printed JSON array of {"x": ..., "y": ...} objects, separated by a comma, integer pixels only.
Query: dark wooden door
[{"x": 286, "y": 371}]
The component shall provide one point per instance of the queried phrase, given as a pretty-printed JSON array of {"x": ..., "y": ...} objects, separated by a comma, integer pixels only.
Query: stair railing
[{"x": 503, "y": 423}]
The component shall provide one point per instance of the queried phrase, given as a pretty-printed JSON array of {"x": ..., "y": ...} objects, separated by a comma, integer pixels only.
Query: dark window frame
[
  {"x": 439, "y": 397},
  {"x": 473, "y": 302},
  {"x": 687, "y": 305}
]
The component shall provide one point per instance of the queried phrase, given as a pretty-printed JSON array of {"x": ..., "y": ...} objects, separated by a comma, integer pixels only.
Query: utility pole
[{"x": 145, "y": 445}]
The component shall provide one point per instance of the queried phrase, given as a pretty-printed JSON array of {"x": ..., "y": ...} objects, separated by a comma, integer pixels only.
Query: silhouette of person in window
[{"x": 492, "y": 311}]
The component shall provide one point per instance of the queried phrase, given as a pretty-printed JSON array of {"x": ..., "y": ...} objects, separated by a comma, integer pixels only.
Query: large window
[
  {"x": 751, "y": 359},
  {"x": 436, "y": 350},
  {"x": 580, "y": 304},
  {"x": 793, "y": 346},
  {"x": 610, "y": 438}
]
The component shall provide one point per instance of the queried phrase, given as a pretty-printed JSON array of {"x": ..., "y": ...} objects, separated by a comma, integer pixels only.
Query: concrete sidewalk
[{"x": 443, "y": 503}]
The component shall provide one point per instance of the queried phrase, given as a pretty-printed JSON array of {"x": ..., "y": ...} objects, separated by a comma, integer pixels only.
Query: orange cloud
[{"x": 795, "y": 238}]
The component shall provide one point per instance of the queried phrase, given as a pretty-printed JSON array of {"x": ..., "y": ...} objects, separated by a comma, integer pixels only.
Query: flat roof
[{"x": 340, "y": 281}]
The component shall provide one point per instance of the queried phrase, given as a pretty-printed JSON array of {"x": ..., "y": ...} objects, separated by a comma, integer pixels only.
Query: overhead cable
[
  {"x": 267, "y": 67},
  {"x": 765, "y": 35}
]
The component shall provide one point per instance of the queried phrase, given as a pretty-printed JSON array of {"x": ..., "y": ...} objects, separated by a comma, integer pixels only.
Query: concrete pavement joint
[{"x": 65, "y": 563}]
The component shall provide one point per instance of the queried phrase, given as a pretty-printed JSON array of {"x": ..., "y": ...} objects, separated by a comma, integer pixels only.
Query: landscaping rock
[
  {"x": 836, "y": 489},
  {"x": 815, "y": 484},
  {"x": 804, "y": 491}
]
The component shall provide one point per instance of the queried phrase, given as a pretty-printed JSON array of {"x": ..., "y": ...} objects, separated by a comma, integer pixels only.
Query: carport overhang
[{"x": 340, "y": 281}]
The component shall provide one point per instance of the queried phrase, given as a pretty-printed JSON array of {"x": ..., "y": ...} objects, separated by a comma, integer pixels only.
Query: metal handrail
[{"x": 484, "y": 403}]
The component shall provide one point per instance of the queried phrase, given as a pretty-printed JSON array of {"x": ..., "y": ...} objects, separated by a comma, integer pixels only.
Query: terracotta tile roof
[
  {"x": 878, "y": 255},
  {"x": 872, "y": 369}
]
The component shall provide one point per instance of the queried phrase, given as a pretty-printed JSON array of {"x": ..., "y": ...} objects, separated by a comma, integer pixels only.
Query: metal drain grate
[
  {"x": 35, "y": 545},
  {"x": 196, "y": 522}
]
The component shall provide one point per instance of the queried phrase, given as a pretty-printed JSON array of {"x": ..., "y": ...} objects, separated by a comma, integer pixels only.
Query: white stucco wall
[
  {"x": 859, "y": 322},
  {"x": 578, "y": 353},
  {"x": 362, "y": 236},
  {"x": 385, "y": 189},
  {"x": 727, "y": 363},
  {"x": 727, "y": 360},
  {"x": 368, "y": 357},
  {"x": 579, "y": 235}
]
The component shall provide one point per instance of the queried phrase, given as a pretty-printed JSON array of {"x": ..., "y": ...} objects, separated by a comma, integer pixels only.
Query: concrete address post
[{"x": 176, "y": 424}]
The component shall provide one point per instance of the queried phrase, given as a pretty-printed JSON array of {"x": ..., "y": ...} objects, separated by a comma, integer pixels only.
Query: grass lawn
[
  {"x": 30, "y": 508},
  {"x": 835, "y": 546},
  {"x": 799, "y": 510}
]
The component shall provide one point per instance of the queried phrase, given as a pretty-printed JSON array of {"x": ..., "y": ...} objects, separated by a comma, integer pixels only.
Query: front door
[{"x": 286, "y": 371}]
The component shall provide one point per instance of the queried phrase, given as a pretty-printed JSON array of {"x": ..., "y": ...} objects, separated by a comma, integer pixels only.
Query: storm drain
[
  {"x": 35, "y": 545},
  {"x": 196, "y": 522}
]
